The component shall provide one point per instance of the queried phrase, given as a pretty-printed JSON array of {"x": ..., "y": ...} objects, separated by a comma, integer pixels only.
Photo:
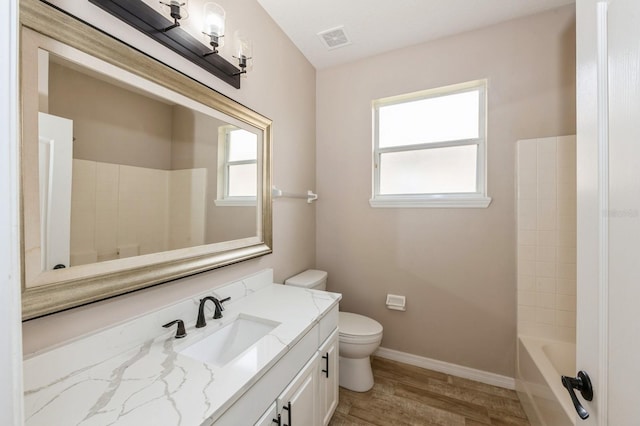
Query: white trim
[
  {"x": 452, "y": 89},
  {"x": 11, "y": 401},
  {"x": 235, "y": 202},
  {"x": 434, "y": 202},
  {"x": 448, "y": 368},
  {"x": 430, "y": 145}
]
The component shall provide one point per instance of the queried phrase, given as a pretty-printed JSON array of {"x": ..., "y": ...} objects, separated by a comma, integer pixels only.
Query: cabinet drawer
[{"x": 328, "y": 323}]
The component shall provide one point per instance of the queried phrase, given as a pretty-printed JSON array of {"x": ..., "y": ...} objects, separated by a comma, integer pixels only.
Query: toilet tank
[{"x": 311, "y": 278}]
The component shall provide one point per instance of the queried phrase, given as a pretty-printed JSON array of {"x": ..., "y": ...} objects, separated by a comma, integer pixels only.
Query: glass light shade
[
  {"x": 169, "y": 7},
  {"x": 213, "y": 21},
  {"x": 244, "y": 47},
  {"x": 244, "y": 51}
]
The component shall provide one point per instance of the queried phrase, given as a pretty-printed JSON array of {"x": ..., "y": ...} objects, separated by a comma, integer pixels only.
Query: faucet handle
[
  {"x": 181, "y": 332},
  {"x": 219, "y": 308},
  {"x": 226, "y": 299}
]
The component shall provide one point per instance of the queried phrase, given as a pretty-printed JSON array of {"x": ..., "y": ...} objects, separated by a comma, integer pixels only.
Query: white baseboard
[{"x": 448, "y": 368}]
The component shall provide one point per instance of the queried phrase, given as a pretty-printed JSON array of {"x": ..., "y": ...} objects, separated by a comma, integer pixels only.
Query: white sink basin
[{"x": 230, "y": 341}]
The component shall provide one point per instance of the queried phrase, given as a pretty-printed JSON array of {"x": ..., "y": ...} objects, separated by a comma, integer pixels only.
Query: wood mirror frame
[{"x": 45, "y": 292}]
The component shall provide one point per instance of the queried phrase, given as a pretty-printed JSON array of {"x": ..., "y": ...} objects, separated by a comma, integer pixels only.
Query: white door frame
[{"x": 11, "y": 411}]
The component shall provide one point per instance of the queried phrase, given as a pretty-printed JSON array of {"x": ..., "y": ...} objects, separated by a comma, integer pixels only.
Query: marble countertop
[{"x": 132, "y": 374}]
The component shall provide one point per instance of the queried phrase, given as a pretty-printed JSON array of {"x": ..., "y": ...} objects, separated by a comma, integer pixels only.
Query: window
[
  {"x": 237, "y": 171},
  {"x": 430, "y": 148}
]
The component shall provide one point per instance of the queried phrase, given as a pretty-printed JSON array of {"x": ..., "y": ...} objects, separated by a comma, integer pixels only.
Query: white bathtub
[{"x": 540, "y": 365}]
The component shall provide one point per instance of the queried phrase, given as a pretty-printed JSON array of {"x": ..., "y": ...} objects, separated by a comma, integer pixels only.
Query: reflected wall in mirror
[
  {"x": 132, "y": 173},
  {"x": 144, "y": 170}
]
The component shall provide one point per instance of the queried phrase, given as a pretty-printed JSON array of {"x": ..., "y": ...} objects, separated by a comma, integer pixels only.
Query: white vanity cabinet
[
  {"x": 297, "y": 381},
  {"x": 312, "y": 396},
  {"x": 298, "y": 404},
  {"x": 328, "y": 378}
]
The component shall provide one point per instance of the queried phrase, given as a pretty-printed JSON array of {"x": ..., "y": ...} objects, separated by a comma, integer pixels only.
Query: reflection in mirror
[{"x": 132, "y": 173}]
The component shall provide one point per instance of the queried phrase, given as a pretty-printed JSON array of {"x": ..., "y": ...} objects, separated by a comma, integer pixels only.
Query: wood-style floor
[{"x": 408, "y": 395}]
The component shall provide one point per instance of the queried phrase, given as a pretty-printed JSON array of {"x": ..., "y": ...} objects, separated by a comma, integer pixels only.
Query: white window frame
[
  {"x": 223, "y": 199},
  {"x": 477, "y": 199}
]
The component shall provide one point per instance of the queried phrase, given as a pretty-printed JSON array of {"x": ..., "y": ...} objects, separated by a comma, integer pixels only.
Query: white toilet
[{"x": 360, "y": 336}]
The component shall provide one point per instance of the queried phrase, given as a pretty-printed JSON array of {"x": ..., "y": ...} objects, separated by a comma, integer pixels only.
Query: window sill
[
  {"x": 234, "y": 203},
  {"x": 446, "y": 202}
]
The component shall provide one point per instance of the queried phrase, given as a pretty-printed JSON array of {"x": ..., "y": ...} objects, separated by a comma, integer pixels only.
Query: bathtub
[{"x": 540, "y": 365}]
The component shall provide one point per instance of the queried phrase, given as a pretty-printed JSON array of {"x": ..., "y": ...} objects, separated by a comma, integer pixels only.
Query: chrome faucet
[{"x": 201, "y": 322}]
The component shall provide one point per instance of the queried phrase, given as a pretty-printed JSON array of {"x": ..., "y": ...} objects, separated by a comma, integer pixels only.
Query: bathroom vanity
[{"x": 271, "y": 359}]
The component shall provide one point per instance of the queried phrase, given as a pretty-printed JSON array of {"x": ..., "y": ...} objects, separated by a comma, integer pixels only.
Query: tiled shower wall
[
  {"x": 546, "y": 221},
  {"x": 121, "y": 211}
]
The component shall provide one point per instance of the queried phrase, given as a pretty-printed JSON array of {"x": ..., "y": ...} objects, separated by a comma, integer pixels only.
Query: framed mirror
[{"x": 132, "y": 173}]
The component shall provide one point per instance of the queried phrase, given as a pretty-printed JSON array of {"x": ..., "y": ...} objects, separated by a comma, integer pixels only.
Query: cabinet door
[
  {"x": 328, "y": 380},
  {"x": 298, "y": 403},
  {"x": 269, "y": 418}
]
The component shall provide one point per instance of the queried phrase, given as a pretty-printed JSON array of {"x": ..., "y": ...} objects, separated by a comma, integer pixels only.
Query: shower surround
[{"x": 546, "y": 173}]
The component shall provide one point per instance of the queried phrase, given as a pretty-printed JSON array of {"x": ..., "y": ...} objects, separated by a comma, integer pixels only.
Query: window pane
[
  {"x": 429, "y": 171},
  {"x": 243, "y": 145},
  {"x": 243, "y": 180},
  {"x": 444, "y": 118}
]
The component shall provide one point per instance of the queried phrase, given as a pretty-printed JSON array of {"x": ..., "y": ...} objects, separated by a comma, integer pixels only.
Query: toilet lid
[{"x": 357, "y": 325}]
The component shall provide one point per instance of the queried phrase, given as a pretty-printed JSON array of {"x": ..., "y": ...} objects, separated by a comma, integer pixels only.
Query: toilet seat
[{"x": 358, "y": 329}]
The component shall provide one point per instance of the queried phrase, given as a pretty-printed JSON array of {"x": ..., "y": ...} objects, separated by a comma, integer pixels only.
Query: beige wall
[
  {"x": 111, "y": 124},
  {"x": 457, "y": 267},
  {"x": 279, "y": 71}
]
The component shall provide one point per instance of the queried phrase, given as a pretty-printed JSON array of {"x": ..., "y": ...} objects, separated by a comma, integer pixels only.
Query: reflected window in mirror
[{"x": 237, "y": 167}]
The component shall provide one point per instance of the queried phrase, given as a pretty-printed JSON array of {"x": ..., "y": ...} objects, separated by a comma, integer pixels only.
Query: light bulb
[
  {"x": 176, "y": 9},
  {"x": 213, "y": 23}
]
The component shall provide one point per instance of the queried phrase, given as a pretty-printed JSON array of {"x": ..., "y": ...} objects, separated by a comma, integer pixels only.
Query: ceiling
[{"x": 376, "y": 26}]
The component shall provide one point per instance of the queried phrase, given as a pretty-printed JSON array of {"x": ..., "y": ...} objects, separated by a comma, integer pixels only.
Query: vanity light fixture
[
  {"x": 177, "y": 10},
  {"x": 213, "y": 26},
  {"x": 156, "y": 25}
]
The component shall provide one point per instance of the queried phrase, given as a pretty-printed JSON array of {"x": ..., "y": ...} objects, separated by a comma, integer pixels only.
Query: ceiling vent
[{"x": 334, "y": 38}]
